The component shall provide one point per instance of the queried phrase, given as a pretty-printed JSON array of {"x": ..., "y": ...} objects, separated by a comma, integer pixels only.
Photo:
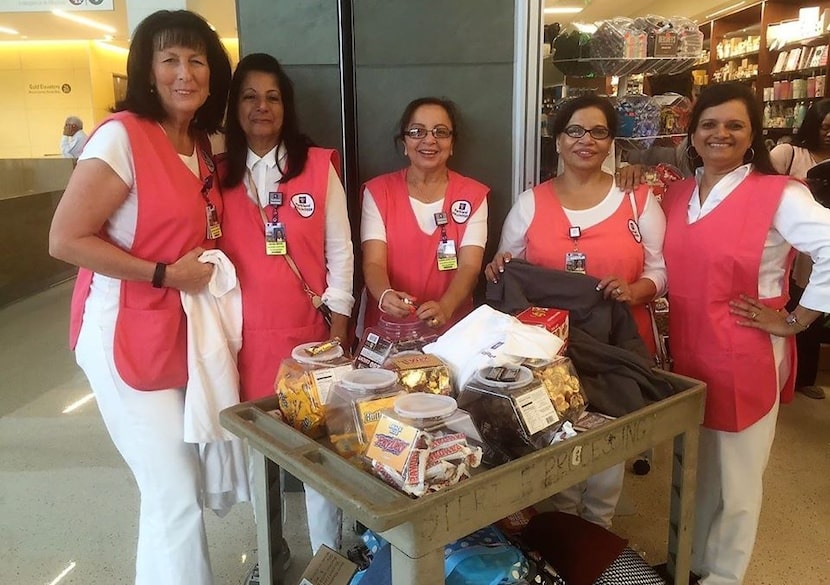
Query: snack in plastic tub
[
  {"x": 562, "y": 384},
  {"x": 419, "y": 372},
  {"x": 303, "y": 383},
  {"x": 388, "y": 338}
]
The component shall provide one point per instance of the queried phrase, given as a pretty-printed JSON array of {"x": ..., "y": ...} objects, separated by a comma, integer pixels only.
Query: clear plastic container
[
  {"x": 434, "y": 414},
  {"x": 354, "y": 406},
  {"x": 303, "y": 384},
  {"x": 421, "y": 372},
  {"x": 388, "y": 338},
  {"x": 562, "y": 384},
  {"x": 512, "y": 410}
]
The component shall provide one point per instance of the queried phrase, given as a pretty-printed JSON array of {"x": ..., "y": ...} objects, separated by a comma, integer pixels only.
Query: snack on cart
[
  {"x": 303, "y": 383},
  {"x": 388, "y": 338},
  {"x": 419, "y": 372},
  {"x": 354, "y": 407},
  {"x": 556, "y": 321},
  {"x": 423, "y": 444},
  {"x": 512, "y": 410},
  {"x": 562, "y": 384}
]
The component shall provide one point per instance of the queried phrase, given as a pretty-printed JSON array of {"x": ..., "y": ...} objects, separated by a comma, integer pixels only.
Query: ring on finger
[
  {"x": 618, "y": 291},
  {"x": 752, "y": 315},
  {"x": 433, "y": 321}
]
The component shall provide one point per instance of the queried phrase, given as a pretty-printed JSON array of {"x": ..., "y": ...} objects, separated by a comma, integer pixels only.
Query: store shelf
[
  {"x": 778, "y": 130},
  {"x": 794, "y": 100},
  {"x": 798, "y": 72},
  {"x": 646, "y": 142},
  {"x": 740, "y": 79},
  {"x": 646, "y": 66},
  {"x": 808, "y": 42},
  {"x": 738, "y": 57}
]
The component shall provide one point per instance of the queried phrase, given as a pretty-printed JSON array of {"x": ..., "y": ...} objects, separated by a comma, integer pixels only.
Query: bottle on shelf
[
  {"x": 767, "y": 115},
  {"x": 800, "y": 113}
]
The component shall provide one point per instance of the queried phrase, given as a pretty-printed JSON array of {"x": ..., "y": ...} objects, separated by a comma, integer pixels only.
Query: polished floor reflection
[{"x": 69, "y": 505}]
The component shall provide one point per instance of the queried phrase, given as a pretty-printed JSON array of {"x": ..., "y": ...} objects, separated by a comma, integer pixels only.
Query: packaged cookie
[
  {"x": 512, "y": 410},
  {"x": 419, "y": 372},
  {"x": 562, "y": 385},
  {"x": 303, "y": 383}
]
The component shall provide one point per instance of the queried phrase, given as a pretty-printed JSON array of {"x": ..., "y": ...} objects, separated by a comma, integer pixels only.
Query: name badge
[
  {"x": 447, "y": 257},
  {"x": 214, "y": 229},
  {"x": 275, "y": 198},
  {"x": 275, "y": 244},
  {"x": 575, "y": 262},
  {"x": 440, "y": 219}
]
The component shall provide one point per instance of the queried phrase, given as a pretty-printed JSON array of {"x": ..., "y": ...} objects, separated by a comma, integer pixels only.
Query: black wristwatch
[{"x": 158, "y": 274}]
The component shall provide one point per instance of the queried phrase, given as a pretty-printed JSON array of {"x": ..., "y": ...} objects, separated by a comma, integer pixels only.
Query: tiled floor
[{"x": 68, "y": 504}]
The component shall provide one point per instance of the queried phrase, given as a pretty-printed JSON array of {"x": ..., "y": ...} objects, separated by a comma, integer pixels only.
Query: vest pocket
[{"x": 150, "y": 348}]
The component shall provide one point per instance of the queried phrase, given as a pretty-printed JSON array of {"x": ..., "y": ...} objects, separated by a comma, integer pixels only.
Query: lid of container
[
  {"x": 420, "y": 405},
  {"x": 523, "y": 377},
  {"x": 368, "y": 379},
  {"x": 299, "y": 353}
]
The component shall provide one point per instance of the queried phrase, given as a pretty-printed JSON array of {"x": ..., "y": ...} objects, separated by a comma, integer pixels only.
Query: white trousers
[
  {"x": 728, "y": 499},
  {"x": 147, "y": 429},
  {"x": 325, "y": 521},
  {"x": 595, "y": 499}
]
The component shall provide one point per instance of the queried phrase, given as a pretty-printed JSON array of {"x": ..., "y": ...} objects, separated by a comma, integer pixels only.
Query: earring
[
  {"x": 152, "y": 89},
  {"x": 751, "y": 156},
  {"x": 404, "y": 151},
  {"x": 691, "y": 153}
]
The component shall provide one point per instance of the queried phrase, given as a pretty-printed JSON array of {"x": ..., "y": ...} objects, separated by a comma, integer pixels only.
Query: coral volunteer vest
[
  {"x": 150, "y": 345},
  {"x": 277, "y": 314},
  {"x": 710, "y": 262},
  {"x": 610, "y": 247},
  {"x": 412, "y": 255}
]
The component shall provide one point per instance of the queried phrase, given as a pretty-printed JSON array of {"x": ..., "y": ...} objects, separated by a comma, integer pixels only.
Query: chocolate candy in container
[
  {"x": 354, "y": 406},
  {"x": 424, "y": 443},
  {"x": 512, "y": 411},
  {"x": 562, "y": 384},
  {"x": 420, "y": 372},
  {"x": 388, "y": 338},
  {"x": 303, "y": 383}
]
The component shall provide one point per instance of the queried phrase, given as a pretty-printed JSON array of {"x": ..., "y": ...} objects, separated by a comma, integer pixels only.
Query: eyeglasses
[
  {"x": 439, "y": 132},
  {"x": 597, "y": 132}
]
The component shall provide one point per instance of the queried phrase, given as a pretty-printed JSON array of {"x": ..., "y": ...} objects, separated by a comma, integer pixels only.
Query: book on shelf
[
  {"x": 779, "y": 63},
  {"x": 792, "y": 59},
  {"x": 806, "y": 56}
]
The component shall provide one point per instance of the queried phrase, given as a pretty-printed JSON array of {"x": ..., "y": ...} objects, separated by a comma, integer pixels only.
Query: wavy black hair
[
  {"x": 296, "y": 144},
  {"x": 720, "y": 93},
  {"x": 570, "y": 107},
  {"x": 809, "y": 134},
  {"x": 169, "y": 28},
  {"x": 448, "y": 105}
]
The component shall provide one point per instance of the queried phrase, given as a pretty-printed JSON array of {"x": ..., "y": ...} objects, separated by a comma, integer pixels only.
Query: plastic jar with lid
[
  {"x": 562, "y": 384},
  {"x": 512, "y": 410},
  {"x": 389, "y": 337},
  {"x": 354, "y": 406},
  {"x": 421, "y": 372},
  {"x": 303, "y": 384}
]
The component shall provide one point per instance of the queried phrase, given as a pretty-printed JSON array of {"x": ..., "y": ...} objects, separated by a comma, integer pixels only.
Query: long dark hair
[
  {"x": 570, "y": 107},
  {"x": 448, "y": 105},
  {"x": 296, "y": 143},
  {"x": 169, "y": 28},
  {"x": 720, "y": 93},
  {"x": 809, "y": 134}
]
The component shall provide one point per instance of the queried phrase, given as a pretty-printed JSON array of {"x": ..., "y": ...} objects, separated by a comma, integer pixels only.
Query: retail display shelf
[
  {"x": 794, "y": 100},
  {"x": 602, "y": 66},
  {"x": 645, "y": 142},
  {"x": 808, "y": 42},
  {"x": 742, "y": 79},
  {"x": 778, "y": 130},
  {"x": 798, "y": 72},
  {"x": 738, "y": 56}
]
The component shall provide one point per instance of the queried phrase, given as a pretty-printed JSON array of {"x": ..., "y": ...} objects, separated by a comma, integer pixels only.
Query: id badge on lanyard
[
  {"x": 447, "y": 254},
  {"x": 575, "y": 261},
  {"x": 275, "y": 242},
  {"x": 214, "y": 228}
]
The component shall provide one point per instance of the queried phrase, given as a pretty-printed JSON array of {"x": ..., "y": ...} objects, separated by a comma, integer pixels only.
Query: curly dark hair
[
  {"x": 809, "y": 134},
  {"x": 448, "y": 105},
  {"x": 720, "y": 93},
  {"x": 168, "y": 28},
  {"x": 296, "y": 143}
]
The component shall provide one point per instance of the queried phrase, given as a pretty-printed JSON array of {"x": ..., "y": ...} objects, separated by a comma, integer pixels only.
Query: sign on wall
[{"x": 49, "y": 5}]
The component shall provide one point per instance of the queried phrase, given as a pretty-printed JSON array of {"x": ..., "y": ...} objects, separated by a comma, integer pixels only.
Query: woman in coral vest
[
  {"x": 581, "y": 221},
  {"x": 285, "y": 208},
  {"x": 424, "y": 227},
  {"x": 138, "y": 210},
  {"x": 729, "y": 246}
]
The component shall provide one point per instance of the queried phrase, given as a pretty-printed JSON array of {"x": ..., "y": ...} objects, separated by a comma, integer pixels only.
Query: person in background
[
  {"x": 810, "y": 146},
  {"x": 274, "y": 179},
  {"x": 139, "y": 209},
  {"x": 73, "y": 139},
  {"x": 730, "y": 233},
  {"x": 580, "y": 221},
  {"x": 423, "y": 227}
]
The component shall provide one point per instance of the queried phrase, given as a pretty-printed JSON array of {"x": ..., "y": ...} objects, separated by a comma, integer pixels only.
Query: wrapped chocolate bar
[
  {"x": 424, "y": 443},
  {"x": 562, "y": 384},
  {"x": 512, "y": 410},
  {"x": 420, "y": 372},
  {"x": 303, "y": 383},
  {"x": 354, "y": 407},
  {"x": 389, "y": 338}
]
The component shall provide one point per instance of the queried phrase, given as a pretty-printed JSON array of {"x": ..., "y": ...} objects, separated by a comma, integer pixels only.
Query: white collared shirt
[
  {"x": 339, "y": 254},
  {"x": 800, "y": 222}
]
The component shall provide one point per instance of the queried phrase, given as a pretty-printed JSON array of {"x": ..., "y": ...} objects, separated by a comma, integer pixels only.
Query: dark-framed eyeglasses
[
  {"x": 597, "y": 132},
  {"x": 439, "y": 132}
]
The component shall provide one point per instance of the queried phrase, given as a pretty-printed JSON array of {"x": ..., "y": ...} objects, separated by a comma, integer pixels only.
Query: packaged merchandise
[
  {"x": 424, "y": 443},
  {"x": 388, "y": 338},
  {"x": 562, "y": 384},
  {"x": 512, "y": 410},
  {"x": 420, "y": 372},
  {"x": 303, "y": 383},
  {"x": 554, "y": 320},
  {"x": 354, "y": 406}
]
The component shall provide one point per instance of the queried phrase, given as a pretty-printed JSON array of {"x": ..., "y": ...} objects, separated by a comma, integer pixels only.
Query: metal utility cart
[{"x": 418, "y": 529}]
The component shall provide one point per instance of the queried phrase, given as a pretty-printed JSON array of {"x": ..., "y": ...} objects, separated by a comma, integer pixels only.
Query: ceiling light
[
  {"x": 727, "y": 9},
  {"x": 585, "y": 28},
  {"x": 564, "y": 10},
  {"x": 85, "y": 21},
  {"x": 8, "y": 31}
]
